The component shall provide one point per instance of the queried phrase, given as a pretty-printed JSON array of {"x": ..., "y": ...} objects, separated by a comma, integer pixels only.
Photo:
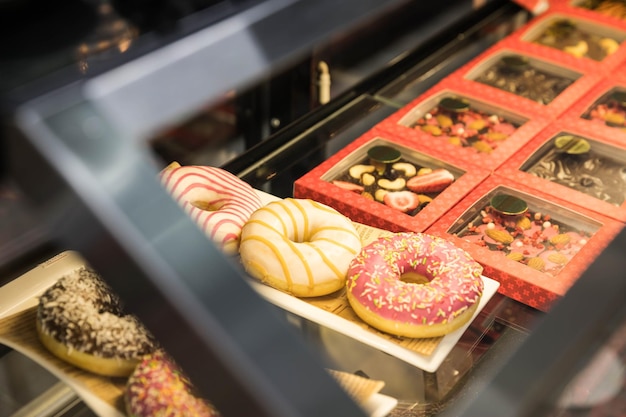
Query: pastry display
[
  {"x": 508, "y": 225},
  {"x": 218, "y": 201},
  {"x": 521, "y": 76},
  {"x": 299, "y": 246},
  {"x": 458, "y": 122},
  {"x": 614, "y": 8},
  {"x": 609, "y": 110},
  {"x": 414, "y": 285},
  {"x": 568, "y": 36},
  {"x": 81, "y": 321},
  {"x": 159, "y": 388},
  {"x": 584, "y": 165},
  {"x": 386, "y": 176}
]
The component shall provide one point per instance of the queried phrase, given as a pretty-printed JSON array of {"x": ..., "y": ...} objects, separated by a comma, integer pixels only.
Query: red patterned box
[
  {"x": 536, "y": 80},
  {"x": 536, "y": 256},
  {"x": 607, "y": 11},
  {"x": 575, "y": 165},
  {"x": 571, "y": 35},
  {"x": 486, "y": 133},
  {"x": 602, "y": 110},
  {"x": 366, "y": 205}
]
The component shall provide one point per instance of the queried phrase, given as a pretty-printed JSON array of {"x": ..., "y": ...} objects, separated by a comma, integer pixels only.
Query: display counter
[{"x": 99, "y": 142}]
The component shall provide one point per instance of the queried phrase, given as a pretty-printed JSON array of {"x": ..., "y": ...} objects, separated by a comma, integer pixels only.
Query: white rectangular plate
[{"x": 429, "y": 363}]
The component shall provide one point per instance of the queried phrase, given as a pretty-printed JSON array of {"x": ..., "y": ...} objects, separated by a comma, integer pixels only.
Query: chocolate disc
[
  {"x": 454, "y": 104},
  {"x": 508, "y": 205},
  {"x": 573, "y": 145},
  {"x": 384, "y": 154},
  {"x": 515, "y": 62},
  {"x": 620, "y": 97}
]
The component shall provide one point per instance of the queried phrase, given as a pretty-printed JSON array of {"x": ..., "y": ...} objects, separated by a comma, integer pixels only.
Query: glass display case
[{"x": 83, "y": 143}]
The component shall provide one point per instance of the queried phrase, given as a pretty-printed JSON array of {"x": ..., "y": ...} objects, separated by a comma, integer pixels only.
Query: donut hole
[
  {"x": 207, "y": 206},
  {"x": 413, "y": 277}
]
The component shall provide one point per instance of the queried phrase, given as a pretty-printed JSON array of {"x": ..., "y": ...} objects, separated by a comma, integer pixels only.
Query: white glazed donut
[
  {"x": 299, "y": 246},
  {"x": 218, "y": 201}
]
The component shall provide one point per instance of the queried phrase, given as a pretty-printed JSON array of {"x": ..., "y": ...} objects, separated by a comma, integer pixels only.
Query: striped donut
[
  {"x": 299, "y": 246},
  {"x": 218, "y": 201}
]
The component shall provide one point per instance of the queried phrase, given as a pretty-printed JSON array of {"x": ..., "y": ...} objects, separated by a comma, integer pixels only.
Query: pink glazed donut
[
  {"x": 414, "y": 285},
  {"x": 218, "y": 201}
]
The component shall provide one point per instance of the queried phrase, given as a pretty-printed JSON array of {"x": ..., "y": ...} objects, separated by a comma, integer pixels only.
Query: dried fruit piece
[
  {"x": 481, "y": 146},
  {"x": 443, "y": 120},
  {"x": 424, "y": 198},
  {"x": 402, "y": 200},
  {"x": 499, "y": 235},
  {"x": 346, "y": 185},
  {"x": 537, "y": 263},
  {"x": 560, "y": 239},
  {"x": 477, "y": 124},
  {"x": 455, "y": 140},
  {"x": 432, "y": 129},
  {"x": 434, "y": 182}
]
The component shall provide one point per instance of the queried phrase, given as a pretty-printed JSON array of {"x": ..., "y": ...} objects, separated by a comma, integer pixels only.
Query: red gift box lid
[
  {"x": 595, "y": 178},
  {"x": 486, "y": 135},
  {"x": 317, "y": 184},
  {"x": 528, "y": 245}
]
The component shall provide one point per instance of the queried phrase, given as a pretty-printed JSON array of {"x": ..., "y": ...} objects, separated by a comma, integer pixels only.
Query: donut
[
  {"x": 218, "y": 201},
  {"x": 159, "y": 388},
  {"x": 81, "y": 321},
  {"x": 299, "y": 246},
  {"x": 414, "y": 285}
]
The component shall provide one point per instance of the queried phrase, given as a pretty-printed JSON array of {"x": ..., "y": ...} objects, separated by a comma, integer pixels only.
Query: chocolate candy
[{"x": 517, "y": 75}]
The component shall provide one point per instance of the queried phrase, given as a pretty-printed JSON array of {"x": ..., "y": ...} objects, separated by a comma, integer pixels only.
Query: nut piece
[
  {"x": 558, "y": 258},
  {"x": 515, "y": 256},
  {"x": 523, "y": 223},
  {"x": 536, "y": 263},
  {"x": 579, "y": 50},
  {"x": 368, "y": 179},
  {"x": 396, "y": 184},
  {"x": 357, "y": 170},
  {"x": 408, "y": 169},
  {"x": 609, "y": 45},
  {"x": 379, "y": 195},
  {"x": 560, "y": 239},
  {"x": 501, "y": 236}
]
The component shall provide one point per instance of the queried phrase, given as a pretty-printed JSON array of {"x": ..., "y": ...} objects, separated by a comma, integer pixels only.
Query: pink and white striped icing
[
  {"x": 454, "y": 279},
  {"x": 218, "y": 201}
]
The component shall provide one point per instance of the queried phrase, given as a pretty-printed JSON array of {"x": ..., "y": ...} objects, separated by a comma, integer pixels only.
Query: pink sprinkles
[
  {"x": 455, "y": 283},
  {"x": 158, "y": 388}
]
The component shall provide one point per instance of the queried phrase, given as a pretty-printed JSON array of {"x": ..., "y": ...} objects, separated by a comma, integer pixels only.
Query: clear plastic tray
[
  {"x": 480, "y": 125},
  {"x": 420, "y": 163},
  {"x": 547, "y": 240},
  {"x": 577, "y": 37},
  {"x": 600, "y": 172},
  {"x": 524, "y": 76}
]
